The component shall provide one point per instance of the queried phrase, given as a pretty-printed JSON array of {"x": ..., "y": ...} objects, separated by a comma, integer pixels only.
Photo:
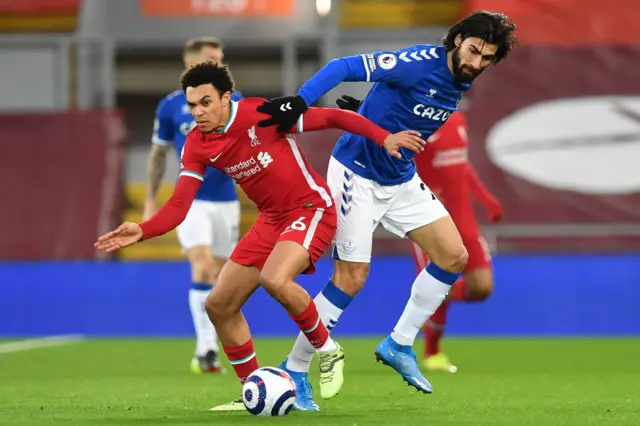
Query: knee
[
  {"x": 480, "y": 289},
  {"x": 350, "y": 277},
  {"x": 454, "y": 260},
  {"x": 204, "y": 270},
  {"x": 275, "y": 283},
  {"x": 218, "y": 308}
]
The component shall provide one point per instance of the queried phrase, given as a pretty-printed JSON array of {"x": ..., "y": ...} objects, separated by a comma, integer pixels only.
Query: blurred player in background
[
  {"x": 297, "y": 219},
  {"x": 415, "y": 88},
  {"x": 210, "y": 231},
  {"x": 444, "y": 167}
]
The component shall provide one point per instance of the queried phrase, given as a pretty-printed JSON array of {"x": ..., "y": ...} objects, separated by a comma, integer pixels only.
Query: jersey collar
[{"x": 232, "y": 116}]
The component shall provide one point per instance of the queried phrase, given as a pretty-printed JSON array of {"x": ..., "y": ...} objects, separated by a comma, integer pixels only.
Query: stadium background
[{"x": 554, "y": 131}]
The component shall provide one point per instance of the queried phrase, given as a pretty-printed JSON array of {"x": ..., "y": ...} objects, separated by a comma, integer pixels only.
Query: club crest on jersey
[
  {"x": 387, "y": 61},
  {"x": 252, "y": 136}
]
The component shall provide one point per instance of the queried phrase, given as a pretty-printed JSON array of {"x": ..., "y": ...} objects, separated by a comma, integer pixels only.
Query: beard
[{"x": 463, "y": 73}]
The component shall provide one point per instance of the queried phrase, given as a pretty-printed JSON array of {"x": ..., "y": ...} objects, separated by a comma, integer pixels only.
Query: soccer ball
[{"x": 269, "y": 391}]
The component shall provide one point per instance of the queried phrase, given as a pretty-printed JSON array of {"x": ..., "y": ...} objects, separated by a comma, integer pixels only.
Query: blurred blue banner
[{"x": 534, "y": 295}]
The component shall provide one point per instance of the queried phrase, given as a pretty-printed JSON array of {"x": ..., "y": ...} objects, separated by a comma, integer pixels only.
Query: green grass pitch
[{"x": 539, "y": 382}]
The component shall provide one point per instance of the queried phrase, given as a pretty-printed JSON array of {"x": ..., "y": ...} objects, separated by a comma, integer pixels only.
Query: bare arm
[{"x": 156, "y": 164}]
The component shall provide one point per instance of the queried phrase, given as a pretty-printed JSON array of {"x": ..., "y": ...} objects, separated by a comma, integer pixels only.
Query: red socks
[
  {"x": 243, "y": 359},
  {"x": 309, "y": 323}
]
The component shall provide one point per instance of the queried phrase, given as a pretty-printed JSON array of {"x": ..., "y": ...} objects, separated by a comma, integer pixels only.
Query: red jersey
[
  {"x": 444, "y": 167},
  {"x": 268, "y": 165}
]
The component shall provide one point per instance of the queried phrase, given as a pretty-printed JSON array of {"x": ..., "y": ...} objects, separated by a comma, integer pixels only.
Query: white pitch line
[{"x": 39, "y": 343}]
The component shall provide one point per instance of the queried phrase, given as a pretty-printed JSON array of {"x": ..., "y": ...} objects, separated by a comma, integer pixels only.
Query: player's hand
[
  {"x": 409, "y": 139},
  {"x": 150, "y": 209},
  {"x": 284, "y": 112},
  {"x": 494, "y": 210},
  {"x": 349, "y": 103},
  {"x": 125, "y": 235}
]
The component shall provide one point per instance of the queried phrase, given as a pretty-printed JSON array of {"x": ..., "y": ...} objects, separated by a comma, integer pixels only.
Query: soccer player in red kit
[
  {"x": 444, "y": 167},
  {"x": 297, "y": 214}
]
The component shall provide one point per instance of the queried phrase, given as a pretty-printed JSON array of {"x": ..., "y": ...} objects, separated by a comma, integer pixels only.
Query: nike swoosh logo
[
  {"x": 213, "y": 160},
  {"x": 391, "y": 352}
]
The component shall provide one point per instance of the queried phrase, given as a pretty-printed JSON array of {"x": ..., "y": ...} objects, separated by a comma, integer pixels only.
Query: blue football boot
[
  {"x": 402, "y": 359},
  {"x": 304, "y": 392}
]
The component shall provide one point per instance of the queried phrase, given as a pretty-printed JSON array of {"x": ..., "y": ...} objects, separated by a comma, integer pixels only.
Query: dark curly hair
[
  {"x": 217, "y": 75},
  {"x": 493, "y": 28}
]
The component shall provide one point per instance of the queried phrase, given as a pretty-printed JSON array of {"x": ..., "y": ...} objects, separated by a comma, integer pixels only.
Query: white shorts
[
  {"x": 362, "y": 204},
  {"x": 211, "y": 223}
]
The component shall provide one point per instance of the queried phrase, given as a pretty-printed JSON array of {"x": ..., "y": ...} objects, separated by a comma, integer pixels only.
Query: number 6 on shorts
[{"x": 298, "y": 225}]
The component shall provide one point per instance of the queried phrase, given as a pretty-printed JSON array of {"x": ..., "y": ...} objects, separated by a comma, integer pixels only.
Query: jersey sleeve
[
  {"x": 402, "y": 68},
  {"x": 163, "y": 128},
  {"x": 174, "y": 211},
  {"x": 335, "y": 118},
  {"x": 190, "y": 164}
]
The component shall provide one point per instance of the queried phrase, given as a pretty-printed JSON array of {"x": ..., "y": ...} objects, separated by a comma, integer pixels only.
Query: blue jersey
[
  {"x": 414, "y": 90},
  {"x": 173, "y": 122}
]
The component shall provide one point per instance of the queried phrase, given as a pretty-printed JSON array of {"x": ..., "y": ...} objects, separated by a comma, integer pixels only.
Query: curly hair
[
  {"x": 217, "y": 75},
  {"x": 493, "y": 28}
]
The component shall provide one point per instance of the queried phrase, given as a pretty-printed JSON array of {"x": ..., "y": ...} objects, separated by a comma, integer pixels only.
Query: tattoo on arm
[{"x": 155, "y": 169}]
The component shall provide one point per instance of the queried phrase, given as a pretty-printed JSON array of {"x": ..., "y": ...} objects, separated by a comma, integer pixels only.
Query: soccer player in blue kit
[
  {"x": 415, "y": 88},
  {"x": 209, "y": 233}
]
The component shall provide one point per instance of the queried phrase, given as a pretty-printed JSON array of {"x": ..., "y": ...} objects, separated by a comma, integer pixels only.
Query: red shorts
[
  {"x": 479, "y": 254},
  {"x": 313, "y": 229}
]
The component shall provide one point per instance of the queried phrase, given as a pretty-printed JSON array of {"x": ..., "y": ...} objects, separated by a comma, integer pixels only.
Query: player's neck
[{"x": 224, "y": 119}]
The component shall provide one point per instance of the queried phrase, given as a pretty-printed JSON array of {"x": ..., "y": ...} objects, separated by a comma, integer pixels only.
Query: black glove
[
  {"x": 284, "y": 112},
  {"x": 349, "y": 103}
]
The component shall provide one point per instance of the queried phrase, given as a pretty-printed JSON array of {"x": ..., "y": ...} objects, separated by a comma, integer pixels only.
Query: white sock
[
  {"x": 427, "y": 293},
  {"x": 206, "y": 336},
  {"x": 299, "y": 359},
  {"x": 329, "y": 346}
]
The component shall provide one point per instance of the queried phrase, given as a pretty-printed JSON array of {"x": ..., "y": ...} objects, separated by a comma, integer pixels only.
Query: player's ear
[
  {"x": 226, "y": 98},
  {"x": 458, "y": 40}
]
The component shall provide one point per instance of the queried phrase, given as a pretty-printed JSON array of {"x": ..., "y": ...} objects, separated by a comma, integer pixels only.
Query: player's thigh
[
  {"x": 312, "y": 230},
  {"x": 358, "y": 214},
  {"x": 306, "y": 234},
  {"x": 413, "y": 206},
  {"x": 419, "y": 257},
  {"x": 225, "y": 221},
  {"x": 255, "y": 247},
  {"x": 419, "y": 215},
  {"x": 442, "y": 244},
  {"x": 236, "y": 283},
  {"x": 203, "y": 266},
  {"x": 287, "y": 260},
  {"x": 196, "y": 229}
]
